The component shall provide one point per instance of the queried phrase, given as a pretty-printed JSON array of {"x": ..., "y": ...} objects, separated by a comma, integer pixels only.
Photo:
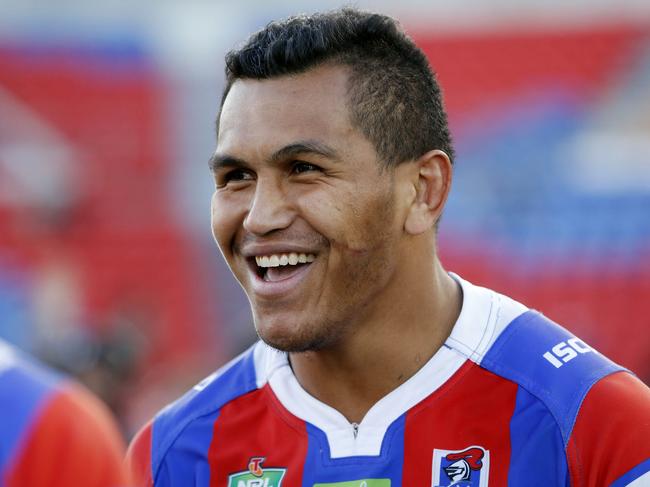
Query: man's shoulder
[
  {"x": 550, "y": 363},
  {"x": 190, "y": 418},
  {"x": 609, "y": 441},
  {"x": 598, "y": 409},
  {"x": 234, "y": 379}
]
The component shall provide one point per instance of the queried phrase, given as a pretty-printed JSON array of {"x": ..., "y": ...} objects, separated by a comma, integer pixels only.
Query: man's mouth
[{"x": 278, "y": 267}]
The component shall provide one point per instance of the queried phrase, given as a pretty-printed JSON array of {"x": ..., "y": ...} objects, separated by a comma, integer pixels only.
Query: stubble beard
[
  {"x": 310, "y": 337},
  {"x": 349, "y": 306},
  {"x": 342, "y": 316}
]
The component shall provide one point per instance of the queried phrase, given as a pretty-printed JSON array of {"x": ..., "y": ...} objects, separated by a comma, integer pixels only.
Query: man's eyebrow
[
  {"x": 217, "y": 161},
  {"x": 304, "y": 147}
]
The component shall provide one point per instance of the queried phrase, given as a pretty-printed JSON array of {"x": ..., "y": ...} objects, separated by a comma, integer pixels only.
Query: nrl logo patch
[
  {"x": 461, "y": 468},
  {"x": 257, "y": 476}
]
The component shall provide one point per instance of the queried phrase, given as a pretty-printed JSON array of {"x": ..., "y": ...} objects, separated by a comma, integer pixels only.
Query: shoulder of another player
[
  {"x": 73, "y": 406},
  {"x": 73, "y": 437},
  {"x": 73, "y": 402},
  {"x": 55, "y": 399}
]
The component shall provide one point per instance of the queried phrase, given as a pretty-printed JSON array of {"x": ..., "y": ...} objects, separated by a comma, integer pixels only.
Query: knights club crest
[
  {"x": 461, "y": 468},
  {"x": 257, "y": 475}
]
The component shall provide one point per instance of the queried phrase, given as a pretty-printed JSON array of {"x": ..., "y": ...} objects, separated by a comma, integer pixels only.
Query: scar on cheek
[{"x": 355, "y": 248}]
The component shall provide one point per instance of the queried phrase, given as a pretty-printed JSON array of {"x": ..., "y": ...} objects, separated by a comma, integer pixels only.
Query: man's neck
[{"x": 382, "y": 353}]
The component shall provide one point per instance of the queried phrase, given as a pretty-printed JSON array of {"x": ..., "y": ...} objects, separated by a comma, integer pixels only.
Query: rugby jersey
[
  {"x": 511, "y": 398},
  {"x": 53, "y": 433}
]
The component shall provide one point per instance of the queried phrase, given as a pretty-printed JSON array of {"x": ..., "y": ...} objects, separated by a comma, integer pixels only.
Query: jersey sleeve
[
  {"x": 72, "y": 441},
  {"x": 609, "y": 443},
  {"x": 138, "y": 457}
]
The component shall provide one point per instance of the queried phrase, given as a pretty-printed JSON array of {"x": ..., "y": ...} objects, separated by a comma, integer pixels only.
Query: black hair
[{"x": 393, "y": 95}]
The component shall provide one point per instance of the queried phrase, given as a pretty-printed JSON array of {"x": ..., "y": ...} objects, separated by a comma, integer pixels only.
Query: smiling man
[{"x": 375, "y": 367}]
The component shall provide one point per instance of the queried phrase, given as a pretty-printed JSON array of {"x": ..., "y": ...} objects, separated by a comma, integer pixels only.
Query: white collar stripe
[{"x": 484, "y": 315}]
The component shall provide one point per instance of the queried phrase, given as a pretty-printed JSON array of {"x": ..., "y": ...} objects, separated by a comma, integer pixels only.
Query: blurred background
[{"x": 107, "y": 265}]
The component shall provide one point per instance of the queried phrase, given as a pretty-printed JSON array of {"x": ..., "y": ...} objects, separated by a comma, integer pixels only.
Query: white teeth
[{"x": 276, "y": 260}]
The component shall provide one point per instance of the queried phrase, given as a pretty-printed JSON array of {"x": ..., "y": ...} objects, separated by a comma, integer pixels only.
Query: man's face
[{"x": 302, "y": 212}]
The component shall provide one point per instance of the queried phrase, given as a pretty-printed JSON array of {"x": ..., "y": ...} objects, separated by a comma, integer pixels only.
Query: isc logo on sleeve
[{"x": 566, "y": 351}]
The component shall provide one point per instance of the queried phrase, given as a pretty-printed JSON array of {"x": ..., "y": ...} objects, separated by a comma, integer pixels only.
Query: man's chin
[
  {"x": 294, "y": 339},
  {"x": 291, "y": 344}
]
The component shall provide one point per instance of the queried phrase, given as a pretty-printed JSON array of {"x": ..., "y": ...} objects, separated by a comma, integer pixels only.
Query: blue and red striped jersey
[
  {"x": 511, "y": 398},
  {"x": 53, "y": 433}
]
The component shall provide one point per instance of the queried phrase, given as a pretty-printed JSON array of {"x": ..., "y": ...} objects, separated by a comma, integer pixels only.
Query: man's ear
[{"x": 432, "y": 181}]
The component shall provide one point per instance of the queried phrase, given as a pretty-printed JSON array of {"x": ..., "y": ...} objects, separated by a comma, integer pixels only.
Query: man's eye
[
  {"x": 234, "y": 176},
  {"x": 300, "y": 167}
]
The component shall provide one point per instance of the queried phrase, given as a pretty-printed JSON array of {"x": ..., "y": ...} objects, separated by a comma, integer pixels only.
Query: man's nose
[{"x": 270, "y": 209}]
